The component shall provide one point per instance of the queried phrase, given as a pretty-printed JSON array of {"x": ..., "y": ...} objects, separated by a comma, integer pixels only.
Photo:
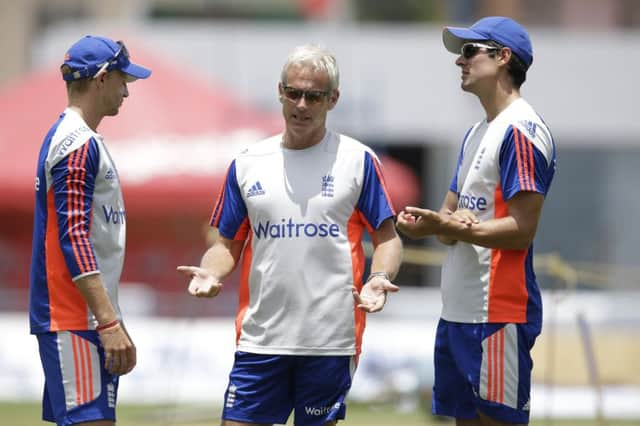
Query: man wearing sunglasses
[
  {"x": 297, "y": 204},
  {"x": 79, "y": 240},
  {"x": 492, "y": 310}
]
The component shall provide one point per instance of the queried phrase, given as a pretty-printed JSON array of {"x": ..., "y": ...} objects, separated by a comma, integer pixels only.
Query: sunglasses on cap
[
  {"x": 311, "y": 96},
  {"x": 469, "y": 50},
  {"x": 121, "y": 56}
]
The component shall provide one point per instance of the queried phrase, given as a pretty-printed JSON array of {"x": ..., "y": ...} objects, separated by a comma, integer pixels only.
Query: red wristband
[{"x": 107, "y": 325}]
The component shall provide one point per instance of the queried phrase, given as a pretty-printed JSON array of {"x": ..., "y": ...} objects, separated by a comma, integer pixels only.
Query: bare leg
[{"x": 98, "y": 423}]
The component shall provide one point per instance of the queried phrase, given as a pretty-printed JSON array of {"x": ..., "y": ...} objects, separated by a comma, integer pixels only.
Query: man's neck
[
  {"x": 498, "y": 100},
  {"x": 293, "y": 141},
  {"x": 86, "y": 111}
]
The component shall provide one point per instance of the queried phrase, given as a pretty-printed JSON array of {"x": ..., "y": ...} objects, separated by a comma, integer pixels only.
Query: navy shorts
[
  {"x": 265, "y": 388},
  {"x": 483, "y": 368},
  {"x": 77, "y": 388}
]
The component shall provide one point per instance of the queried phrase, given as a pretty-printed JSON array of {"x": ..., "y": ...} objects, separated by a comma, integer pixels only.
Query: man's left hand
[{"x": 373, "y": 295}]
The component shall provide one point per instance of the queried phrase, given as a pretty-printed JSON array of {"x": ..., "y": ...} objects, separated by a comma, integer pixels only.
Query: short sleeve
[
  {"x": 229, "y": 213},
  {"x": 523, "y": 167},
  {"x": 374, "y": 202}
]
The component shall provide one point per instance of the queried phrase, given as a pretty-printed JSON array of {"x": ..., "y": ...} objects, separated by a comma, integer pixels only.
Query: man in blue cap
[
  {"x": 79, "y": 240},
  {"x": 492, "y": 309}
]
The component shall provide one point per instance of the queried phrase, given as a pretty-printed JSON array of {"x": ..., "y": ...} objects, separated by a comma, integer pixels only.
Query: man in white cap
[
  {"x": 79, "y": 240},
  {"x": 492, "y": 310}
]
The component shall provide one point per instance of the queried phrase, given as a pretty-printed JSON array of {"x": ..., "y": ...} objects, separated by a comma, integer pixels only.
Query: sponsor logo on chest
[{"x": 114, "y": 216}]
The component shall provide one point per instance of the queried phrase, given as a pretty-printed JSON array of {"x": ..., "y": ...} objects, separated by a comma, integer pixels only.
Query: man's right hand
[
  {"x": 120, "y": 356},
  {"x": 203, "y": 283}
]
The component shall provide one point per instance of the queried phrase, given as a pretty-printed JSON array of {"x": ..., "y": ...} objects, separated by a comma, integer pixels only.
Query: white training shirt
[
  {"x": 514, "y": 152},
  {"x": 302, "y": 213}
]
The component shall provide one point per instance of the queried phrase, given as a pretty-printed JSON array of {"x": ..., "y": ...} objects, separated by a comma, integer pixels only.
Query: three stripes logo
[
  {"x": 256, "y": 189},
  {"x": 231, "y": 396}
]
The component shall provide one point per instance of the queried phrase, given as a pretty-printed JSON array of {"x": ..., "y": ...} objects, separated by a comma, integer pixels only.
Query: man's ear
[
  {"x": 505, "y": 55},
  {"x": 100, "y": 76},
  {"x": 280, "y": 91},
  {"x": 333, "y": 99}
]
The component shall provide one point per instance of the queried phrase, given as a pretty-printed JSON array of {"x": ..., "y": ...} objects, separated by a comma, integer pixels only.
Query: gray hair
[{"x": 318, "y": 58}]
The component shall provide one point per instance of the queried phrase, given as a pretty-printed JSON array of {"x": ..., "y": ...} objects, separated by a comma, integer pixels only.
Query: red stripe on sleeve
[
  {"x": 532, "y": 168},
  {"x": 215, "y": 213},
  {"x": 71, "y": 207},
  {"x": 84, "y": 229},
  {"x": 382, "y": 182},
  {"x": 522, "y": 159}
]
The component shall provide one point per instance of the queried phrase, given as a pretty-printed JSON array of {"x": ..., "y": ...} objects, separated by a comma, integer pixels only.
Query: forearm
[
  {"x": 221, "y": 259},
  {"x": 93, "y": 292},
  {"x": 503, "y": 233},
  {"x": 449, "y": 204},
  {"x": 387, "y": 257}
]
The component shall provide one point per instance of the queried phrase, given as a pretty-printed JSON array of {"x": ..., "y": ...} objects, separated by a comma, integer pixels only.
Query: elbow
[{"x": 523, "y": 241}]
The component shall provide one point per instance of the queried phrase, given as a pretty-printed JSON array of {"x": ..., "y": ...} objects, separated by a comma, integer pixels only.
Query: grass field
[{"x": 28, "y": 414}]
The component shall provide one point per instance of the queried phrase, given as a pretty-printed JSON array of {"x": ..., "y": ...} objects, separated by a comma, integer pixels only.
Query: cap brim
[
  {"x": 454, "y": 37},
  {"x": 135, "y": 72}
]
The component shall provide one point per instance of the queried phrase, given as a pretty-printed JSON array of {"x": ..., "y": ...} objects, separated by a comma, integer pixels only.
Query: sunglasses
[
  {"x": 311, "y": 96},
  {"x": 469, "y": 50},
  {"x": 122, "y": 55}
]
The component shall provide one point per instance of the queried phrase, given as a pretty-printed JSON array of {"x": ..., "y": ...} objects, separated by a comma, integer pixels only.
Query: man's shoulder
[
  {"x": 71, "y": 133},
  {"x": 530, "y": 124},
  {"x": 347, "y": 145},
  {"x": 264, "y": 147}
]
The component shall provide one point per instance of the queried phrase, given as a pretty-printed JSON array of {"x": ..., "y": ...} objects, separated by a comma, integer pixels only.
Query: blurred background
[{"x": 216, "y": 65}]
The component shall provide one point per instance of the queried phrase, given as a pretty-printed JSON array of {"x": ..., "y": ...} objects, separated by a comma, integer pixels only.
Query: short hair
[
  {"x": 516, "y": 68},
  {"x": 75, "y": 86},
  {"x": 319, "y": 58}
]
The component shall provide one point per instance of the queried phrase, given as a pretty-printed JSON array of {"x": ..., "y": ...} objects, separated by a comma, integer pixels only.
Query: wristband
[
  {"x": 108, "y": 325},
  {"x": 385, "y": 275}
]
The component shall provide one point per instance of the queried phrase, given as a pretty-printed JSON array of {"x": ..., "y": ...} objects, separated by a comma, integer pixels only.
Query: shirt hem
[{"x": 265, "y": 350}]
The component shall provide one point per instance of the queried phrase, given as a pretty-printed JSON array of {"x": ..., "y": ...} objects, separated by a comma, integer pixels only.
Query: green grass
[{"x": 28, "y": 414}]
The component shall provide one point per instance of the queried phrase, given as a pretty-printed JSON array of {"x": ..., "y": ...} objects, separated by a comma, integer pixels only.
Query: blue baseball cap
[
  {"x": 500, "y": 29},
  {"x": 91, "y": 54}
]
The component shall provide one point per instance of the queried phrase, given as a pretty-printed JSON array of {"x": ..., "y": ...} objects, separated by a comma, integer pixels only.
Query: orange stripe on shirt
[
  {"x": 519, "y": 157},
  {"x": 76, "y": 369},
  {"x": 525, "y": 159},
  {"x": 71, "y": 205},
  {"x": 355, "y": 227},
  {"x": 67, "y": 308},
  {"x": 532, "y": 168},
  {"x": 216, "y": 212},
  {"x": 378, "y": 168},
  {"x": 79, "y": 231},
  {"x": 508, "y": 295},
  {"x": 86, "y": 221},
  {"x": 243, "y": 290},
  {"x": 217, "y": 207}
]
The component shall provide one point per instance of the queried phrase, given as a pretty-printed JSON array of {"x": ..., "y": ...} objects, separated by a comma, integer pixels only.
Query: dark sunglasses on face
[
  {"x": 311, "y": 96},
  {"x": 469, "y": 50},
  {"x": 122, "y": 55}
]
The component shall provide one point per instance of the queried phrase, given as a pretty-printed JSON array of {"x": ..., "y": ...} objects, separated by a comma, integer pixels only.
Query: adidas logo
[
  {"x": 231, "y": 396},
  {"x": 110, "y": 174},
  {"x": 256, "y": 189},
  {"x": 530, "y": 127}
]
